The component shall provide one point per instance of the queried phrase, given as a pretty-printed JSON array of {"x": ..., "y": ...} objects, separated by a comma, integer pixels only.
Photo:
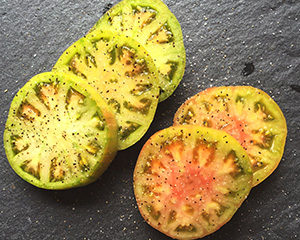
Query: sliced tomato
[
  {"x": 249, "y": 115},
  {"x": 151, "y": 23},
  {"x": 59, "y": 133},
  {"x": 190, "y": 180},
  {"x": 122, "y": 72}
]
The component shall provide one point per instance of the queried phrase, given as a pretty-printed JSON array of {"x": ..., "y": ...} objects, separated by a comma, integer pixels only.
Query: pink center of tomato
[
  {"x": 236, "y": 127},
  {"x": 189, "y": 183},
  {"x": 188, "y": 173}
]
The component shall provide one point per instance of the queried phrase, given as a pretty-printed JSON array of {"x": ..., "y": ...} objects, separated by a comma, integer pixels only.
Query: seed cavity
[
  {"x": 263, "y": 138},
  {"x": 32, "y": 167},
  {"x": 143, "y": 16},
  {"x": 99, "y": 121},
  {"x": 256, "y": 162},
  {"x": 240, "y": 99},
  {"x": 143, "y": 106},
  {"x": 47, "y": 92},
  {"x": 18, "y": 144},
  {"x": 90, "y": 60},
  {"x": 232, "y": 165},
  {"x": 186, "y": 228},
  {"x": 262, "y": 110},
  {"x": 223, "y": 100},
  {"x": 115, "y": 105},
  {"x": 188, "y": 209},
  {"x": 112, "y": 56},
  {"x": 169, "y": 70},
  {"x": 127, "y": 129},
  {"x": 172, "y": 216},
  {"x": 206, "y": 216},
  {"x": 204, "y": 153},
  {"x": 93, "y": 148},
  {"x": 83, "y": 162},
  {"x": 208, "y": 106},
  {"x": 153, "y": 166},
  {"x": 153, "y": 213},
  {"x": 116, "y": 20},
  {"x": 73, "y": 66},
  {"x": 113, "y": 80},
  {"x": 188, "y": 117},
  {"x": 207, "y": 123},
  {"x": 74, "y": 98},
  {"x": 162, "y": 35},
  {"x": 57, "y": 172},
  {"x": 141, "y": 89},
  {"x": 132, "y": 65},
  {"x": 126, "y": 55},
  {"x": 28, "y": 111}
]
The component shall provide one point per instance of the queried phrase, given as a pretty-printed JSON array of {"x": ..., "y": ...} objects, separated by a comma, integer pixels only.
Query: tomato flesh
[
  {"x": 190, "y": 180},
  {"x": 246, "y": 113},
  {"x": 152, "y": 24},
  {"x": 59, "y": 133},
  {"x": 121, "y": 71}
]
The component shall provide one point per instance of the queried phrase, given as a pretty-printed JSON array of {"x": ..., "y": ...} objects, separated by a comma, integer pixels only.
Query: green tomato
[
  {"x": 151, "y": 23},
  {"x": 123, "y": 74},
  {"x": 59, "y": 133}
]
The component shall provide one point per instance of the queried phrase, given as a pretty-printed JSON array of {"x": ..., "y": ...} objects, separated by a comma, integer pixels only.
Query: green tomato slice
[
  {"x": 151, "y": 23},
  {"x": 249, "y": 115},
  {"x": 59, "y": 133},
  {"x": 190, "y": 180},
  {"x": 122, "y": 72}
]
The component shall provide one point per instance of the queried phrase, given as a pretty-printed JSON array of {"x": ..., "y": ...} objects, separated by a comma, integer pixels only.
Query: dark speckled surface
[{"x": 228, "y": 42}]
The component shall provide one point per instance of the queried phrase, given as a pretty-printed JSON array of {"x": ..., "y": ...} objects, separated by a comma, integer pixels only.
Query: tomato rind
[
  {"x": 40, "y": 140},
  {"x": 167, "y": 189},
  {"x": 247, "y": 113}
]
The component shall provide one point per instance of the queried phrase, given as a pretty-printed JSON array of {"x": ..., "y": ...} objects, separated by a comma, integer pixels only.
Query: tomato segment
[
  {"x": 59, "y": 133},
  {"x": 152, "y": 24},
  {"x": 190, "y": 180},
  {"x": 246, "y": 113},
  {"x": 124, "y": 75}
]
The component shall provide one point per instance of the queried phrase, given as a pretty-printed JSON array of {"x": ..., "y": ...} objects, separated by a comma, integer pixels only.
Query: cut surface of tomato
[
  {"x": 59, "y": 133},
  {"x": 152, "y": 24},
  {"x": 190, "y": 180},
  {"x": 246, "y": 113},
  {"x": 122, "y": 72}
]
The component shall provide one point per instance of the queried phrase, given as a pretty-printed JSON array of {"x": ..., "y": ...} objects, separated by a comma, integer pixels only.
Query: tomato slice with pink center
[
  {"x": 190, "y": 180},
  {"x": 246, "y": 113}
]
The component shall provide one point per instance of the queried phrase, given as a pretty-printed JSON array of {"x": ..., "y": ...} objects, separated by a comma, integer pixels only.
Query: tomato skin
[
  {"x": 248, "y": 114},
  {"x": 190, "y": 180}
]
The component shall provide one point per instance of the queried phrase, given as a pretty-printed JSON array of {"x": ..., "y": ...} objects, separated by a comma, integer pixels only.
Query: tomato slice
[
  {"x": 249, "y": 115},
  {"x": 151, "y": 23},
  {"x": 59, "y": 133},
  {"x": 121, "y": 71},
  {"x": 190, "y": 180}
]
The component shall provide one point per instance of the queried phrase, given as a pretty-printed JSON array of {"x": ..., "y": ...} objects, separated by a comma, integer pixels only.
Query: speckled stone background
[{"x": 224, "y": 39}]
